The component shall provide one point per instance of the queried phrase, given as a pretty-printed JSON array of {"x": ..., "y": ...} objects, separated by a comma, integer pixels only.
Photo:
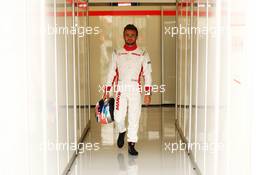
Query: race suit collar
[{"x": 130, "y": 48}]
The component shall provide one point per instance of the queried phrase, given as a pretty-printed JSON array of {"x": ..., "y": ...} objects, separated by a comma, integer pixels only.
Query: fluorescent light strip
[{"x": 122, "y": 4}]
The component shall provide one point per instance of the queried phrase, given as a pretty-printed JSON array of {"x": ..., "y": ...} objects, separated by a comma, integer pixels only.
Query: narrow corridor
[{"x": 157, "y": 134}]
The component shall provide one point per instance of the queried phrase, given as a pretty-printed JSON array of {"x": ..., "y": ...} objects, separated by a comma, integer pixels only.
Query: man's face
[{"x": 130, "y": 37}]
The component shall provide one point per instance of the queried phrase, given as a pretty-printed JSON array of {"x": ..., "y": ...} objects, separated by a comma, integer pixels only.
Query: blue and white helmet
[{"x": 104, "y": 111}]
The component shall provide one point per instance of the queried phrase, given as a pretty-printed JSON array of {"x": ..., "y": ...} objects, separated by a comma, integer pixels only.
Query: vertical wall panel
[
  {"x": 51, "y": 98},
  {"x": 77, "y": 76},
  {"x": 201, "y": 94},
  {"x": 169, "y": 54},
  {"x": 194, "y": 87},
  {"x": 71, "y": 51},
  {"x": 212, "y": 96},
  {"x": 61, "y": 91},
  {"x": 81, "y": 21}
]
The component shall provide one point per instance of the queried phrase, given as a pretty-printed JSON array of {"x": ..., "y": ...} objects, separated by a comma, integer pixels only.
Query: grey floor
[{"x": 158, "y": 153}]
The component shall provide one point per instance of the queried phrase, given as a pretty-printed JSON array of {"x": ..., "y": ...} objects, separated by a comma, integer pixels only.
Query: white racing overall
[{"x": 126, "y": 69}]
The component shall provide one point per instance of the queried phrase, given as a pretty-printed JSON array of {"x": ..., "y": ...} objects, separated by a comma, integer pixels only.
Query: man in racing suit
[{"x": 128, "y": 65}]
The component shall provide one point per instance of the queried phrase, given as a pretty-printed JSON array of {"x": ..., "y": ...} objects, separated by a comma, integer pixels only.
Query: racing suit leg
[
  {"x": 134, "y": 111},
  {"x": 120, "y": 111}
]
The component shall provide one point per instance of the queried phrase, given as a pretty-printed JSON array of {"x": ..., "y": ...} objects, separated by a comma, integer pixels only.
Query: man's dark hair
[{"x": 131, "y": 27}]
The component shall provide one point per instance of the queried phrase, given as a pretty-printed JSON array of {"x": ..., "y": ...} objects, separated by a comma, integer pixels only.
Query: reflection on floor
[{"x": 157, "y": 148}]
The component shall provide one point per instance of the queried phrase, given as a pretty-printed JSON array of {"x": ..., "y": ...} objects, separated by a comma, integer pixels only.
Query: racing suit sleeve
[
  {"x": 111, "y": 73},
  {"x": 147, "y": 73}
]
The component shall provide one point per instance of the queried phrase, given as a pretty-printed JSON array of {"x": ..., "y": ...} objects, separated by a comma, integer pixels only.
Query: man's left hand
[{"x": 147, "y": 99}]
